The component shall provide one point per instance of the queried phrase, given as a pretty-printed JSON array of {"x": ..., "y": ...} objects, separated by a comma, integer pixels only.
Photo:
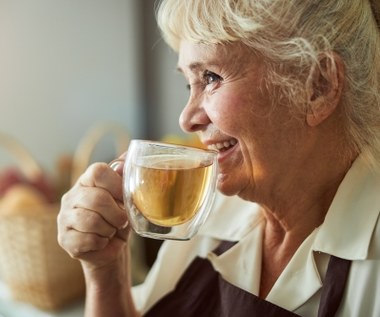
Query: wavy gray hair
[{"x": 292, "y": 34}]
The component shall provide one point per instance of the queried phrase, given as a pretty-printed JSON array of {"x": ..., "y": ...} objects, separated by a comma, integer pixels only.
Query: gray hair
[{"x": 292, "y": 34}]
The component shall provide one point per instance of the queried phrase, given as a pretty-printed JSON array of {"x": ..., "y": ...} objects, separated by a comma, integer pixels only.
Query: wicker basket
[
  {"x": 89, "y": 142},
  {"x": 32, "y": 264},
  {"x": 34, "y": 267}
]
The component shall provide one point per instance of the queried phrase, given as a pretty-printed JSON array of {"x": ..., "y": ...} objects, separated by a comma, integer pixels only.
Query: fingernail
[{"x": 115, "y": 164}]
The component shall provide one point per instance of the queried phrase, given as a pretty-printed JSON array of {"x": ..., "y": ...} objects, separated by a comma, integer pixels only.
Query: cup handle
[{"x": 118, "y": 165}]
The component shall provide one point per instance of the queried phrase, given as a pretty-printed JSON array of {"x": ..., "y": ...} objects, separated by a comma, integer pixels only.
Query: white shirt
[{"x": 350, "y": 231}]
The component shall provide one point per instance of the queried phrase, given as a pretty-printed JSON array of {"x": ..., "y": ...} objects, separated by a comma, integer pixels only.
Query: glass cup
[{"x": 168, "y": 189}]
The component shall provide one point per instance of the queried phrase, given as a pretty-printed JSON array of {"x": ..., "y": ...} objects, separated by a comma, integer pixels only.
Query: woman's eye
[
  {"x": 208, "y": 78},
  {"x": 211, "y": 78}
]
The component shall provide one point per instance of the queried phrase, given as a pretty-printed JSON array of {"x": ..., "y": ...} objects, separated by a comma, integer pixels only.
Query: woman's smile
[{"x": 223, "y": 145}]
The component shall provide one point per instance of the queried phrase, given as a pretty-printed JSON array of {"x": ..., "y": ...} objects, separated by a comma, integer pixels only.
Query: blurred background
[{"x": 65, "y": 67}]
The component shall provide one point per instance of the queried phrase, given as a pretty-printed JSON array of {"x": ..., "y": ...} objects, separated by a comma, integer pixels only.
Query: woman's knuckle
[
  {"x": 94, "y": 220},
  {"x": 102, "y": 197},
  {"x": 97, "y": 170}
]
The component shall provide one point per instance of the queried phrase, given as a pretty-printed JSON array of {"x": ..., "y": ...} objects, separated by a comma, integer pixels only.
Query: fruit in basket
[
  {"x": 43, "y": 184},
  {"x": 12, "y": 176},
  {"x": 9, "y": 177},
  {"x": 22, "y": 199}
]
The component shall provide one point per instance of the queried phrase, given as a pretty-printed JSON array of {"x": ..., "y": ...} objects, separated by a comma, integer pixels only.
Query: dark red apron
[{"x": 202, "y": 292}]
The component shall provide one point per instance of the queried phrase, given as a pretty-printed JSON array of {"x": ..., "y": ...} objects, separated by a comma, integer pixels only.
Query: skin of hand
[{"x": 93, "y": 228}]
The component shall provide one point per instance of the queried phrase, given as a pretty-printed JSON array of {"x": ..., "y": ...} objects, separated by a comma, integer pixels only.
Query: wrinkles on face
[{"x": 230, "y": 104}]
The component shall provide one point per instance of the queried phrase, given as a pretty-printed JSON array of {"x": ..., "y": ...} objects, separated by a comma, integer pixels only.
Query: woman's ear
[{"x": 324, "y": 88}]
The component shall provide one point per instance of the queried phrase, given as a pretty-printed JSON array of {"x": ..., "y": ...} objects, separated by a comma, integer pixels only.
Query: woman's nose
[{"x": 193, "y": 117}]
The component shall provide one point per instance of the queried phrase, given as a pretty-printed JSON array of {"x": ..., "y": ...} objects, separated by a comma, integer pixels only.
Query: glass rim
[{"x": 174, "y": 145}]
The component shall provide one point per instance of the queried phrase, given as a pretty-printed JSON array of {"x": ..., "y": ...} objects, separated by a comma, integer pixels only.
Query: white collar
[
  {"x": 351, "y": 219},
  {"x": 346, "y": 233}
]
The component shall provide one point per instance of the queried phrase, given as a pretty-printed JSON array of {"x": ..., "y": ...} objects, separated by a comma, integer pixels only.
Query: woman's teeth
[{"x": 223, "y": 146}]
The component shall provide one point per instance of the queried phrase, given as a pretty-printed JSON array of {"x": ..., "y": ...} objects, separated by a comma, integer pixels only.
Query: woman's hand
[
  {"x": 93, "y": 228},
  {"x": 92, "y": 223}
]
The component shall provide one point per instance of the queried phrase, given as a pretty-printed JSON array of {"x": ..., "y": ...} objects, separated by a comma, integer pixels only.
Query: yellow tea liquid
[{"x": 170, "y": 191}]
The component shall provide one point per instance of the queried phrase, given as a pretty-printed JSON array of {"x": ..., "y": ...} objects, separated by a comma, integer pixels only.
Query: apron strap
[
  {"x": 333, "y": 286},
  {"x": 223, "y": 247},
  {"x": 202, "y": 292}
]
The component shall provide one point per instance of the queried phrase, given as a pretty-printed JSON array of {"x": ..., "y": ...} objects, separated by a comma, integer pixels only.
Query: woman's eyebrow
[
  {"x": 192, "y": 67},
  {"x": 198, "y": 65}
]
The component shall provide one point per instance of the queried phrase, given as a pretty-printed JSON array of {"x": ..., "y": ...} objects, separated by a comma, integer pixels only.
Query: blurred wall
[
  {"x": 166, "y": 92},
  {"x": 65, "y": 65}
]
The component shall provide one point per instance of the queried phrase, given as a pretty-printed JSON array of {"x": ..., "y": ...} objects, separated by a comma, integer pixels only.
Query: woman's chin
[{"x": 226, "y": 186}]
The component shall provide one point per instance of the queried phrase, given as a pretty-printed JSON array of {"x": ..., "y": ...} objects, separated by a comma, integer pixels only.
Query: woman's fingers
[
  {"x": 92, "y": 217},
  {"x": 123, "y": 234},
  {"x": 100, "y": 201},
  {"x": 89, "y": 221},
  {"x": 92, "y": 247},
  {"x": 101, "y": 175},
  {"x": 99, "y": 189},
  {"x": 77, "y": 244},
  {"x": 117, "y": 165}
]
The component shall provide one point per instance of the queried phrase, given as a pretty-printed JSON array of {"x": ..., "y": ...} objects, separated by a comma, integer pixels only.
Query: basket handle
[
  {"x": 27, "y": 164},
  {"x": 88, "y": 143}
]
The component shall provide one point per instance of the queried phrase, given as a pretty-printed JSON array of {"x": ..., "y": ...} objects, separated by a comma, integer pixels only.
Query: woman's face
[{"x": 231, "y": 109}]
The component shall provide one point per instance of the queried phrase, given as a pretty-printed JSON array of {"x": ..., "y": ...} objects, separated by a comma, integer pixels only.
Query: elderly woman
[{"x": 288, "y": 92}]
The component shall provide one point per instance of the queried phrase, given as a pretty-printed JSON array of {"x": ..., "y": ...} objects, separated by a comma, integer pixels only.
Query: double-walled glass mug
[{"x": 168, "y": 189}]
